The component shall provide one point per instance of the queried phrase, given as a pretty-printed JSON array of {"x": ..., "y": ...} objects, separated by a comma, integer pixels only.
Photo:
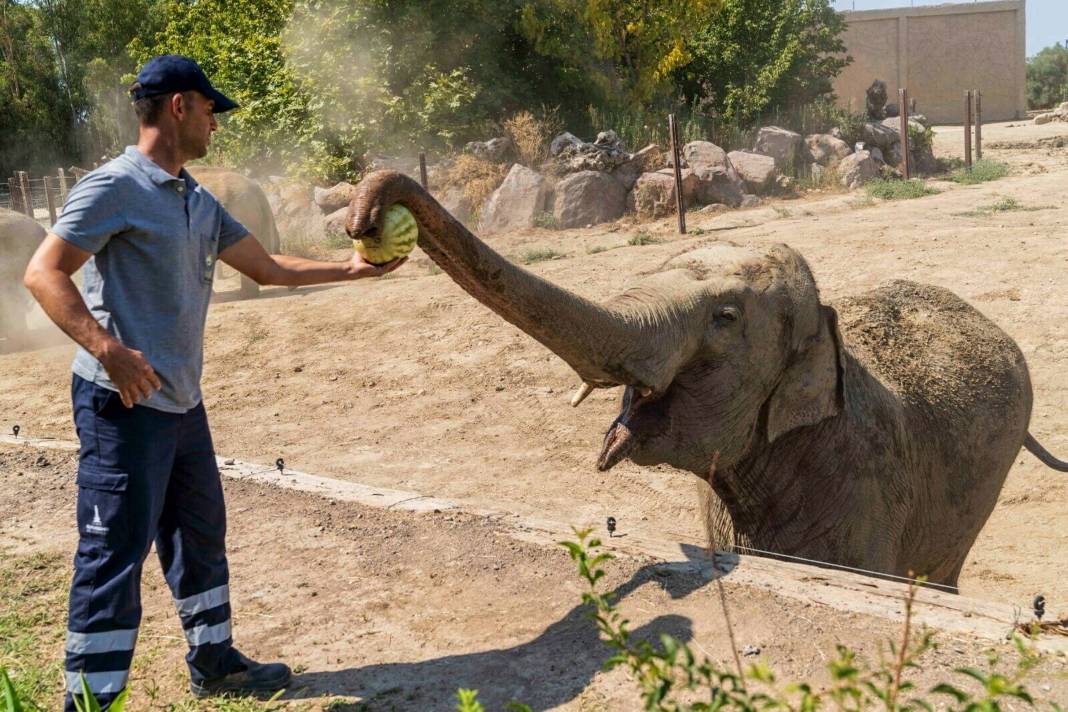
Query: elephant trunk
[{"x": 605, "y": 346}]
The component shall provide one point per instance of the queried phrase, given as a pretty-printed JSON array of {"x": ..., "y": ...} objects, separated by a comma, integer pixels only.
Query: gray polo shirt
[{"x": 154, "y": 240}]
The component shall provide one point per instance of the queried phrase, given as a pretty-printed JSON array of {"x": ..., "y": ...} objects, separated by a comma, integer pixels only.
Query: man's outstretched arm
[
  {"x": 248, "y": 257},
  {"x": 48, "y": 279}
]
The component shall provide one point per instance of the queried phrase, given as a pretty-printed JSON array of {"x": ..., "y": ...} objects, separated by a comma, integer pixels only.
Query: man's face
[{"x": 196, "y": 122}]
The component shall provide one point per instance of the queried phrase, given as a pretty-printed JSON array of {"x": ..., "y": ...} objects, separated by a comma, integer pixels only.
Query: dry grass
[
  {"x": 531, "y": 136},
  {"x": 478, "y": 178}
]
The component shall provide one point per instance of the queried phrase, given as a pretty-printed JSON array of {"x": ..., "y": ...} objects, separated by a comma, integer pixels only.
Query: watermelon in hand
[{"x": 396, "y": 239}]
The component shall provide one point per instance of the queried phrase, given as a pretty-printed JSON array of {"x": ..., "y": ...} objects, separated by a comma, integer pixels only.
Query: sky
[{"x": 1047, "y": 20}]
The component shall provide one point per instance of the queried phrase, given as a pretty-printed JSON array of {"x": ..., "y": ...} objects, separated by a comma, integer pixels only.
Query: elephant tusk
[
  {"x": 646, "y": 392},
  {"x": 580, "y": 395}
]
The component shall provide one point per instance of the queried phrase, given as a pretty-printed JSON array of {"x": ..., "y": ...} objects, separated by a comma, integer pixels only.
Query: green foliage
[
  {"x": 899, "y": 189},
  {"x": 756, "y": 55},
  {"x": 86, "y": 702},
  {"x": 545, "y": 220},
  {"x": 982, "y": 171},
  {"x": 1004, "y": 205},
  {"x": 540, "y": 254},
  {"x": 643, "y": 238},
  {"x": 1047, "y": 77}
]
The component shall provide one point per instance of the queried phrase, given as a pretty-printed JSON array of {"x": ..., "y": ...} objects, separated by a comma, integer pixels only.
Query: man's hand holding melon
[{"x": 382, "y": 253}]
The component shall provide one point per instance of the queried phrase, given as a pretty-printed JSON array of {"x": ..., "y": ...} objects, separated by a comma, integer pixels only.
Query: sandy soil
[
  {"x": 387, "y": 610},
  {"x": 409, "y": 383}
]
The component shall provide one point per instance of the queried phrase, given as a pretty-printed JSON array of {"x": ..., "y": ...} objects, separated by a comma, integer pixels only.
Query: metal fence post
[
  {"x": 62, "y": 186},
  {"x": 978, "y": 125},
  {"x": 903, "y": 102},
  {"x": 422, "y": 170},
  {"x": 680, "y": 202},
  {"x": 27, "y": 196},
  {"x": 968, "y": 129}
]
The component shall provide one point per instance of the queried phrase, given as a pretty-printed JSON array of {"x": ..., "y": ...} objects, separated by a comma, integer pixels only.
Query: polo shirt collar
[{"x": 155, "y": 172}]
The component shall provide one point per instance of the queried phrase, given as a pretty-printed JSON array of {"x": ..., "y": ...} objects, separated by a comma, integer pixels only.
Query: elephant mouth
[{"x": 624, "y": 435}]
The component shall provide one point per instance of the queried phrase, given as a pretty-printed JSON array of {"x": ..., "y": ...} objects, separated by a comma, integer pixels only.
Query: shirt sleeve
[
  {"x": 93, "y": 212},
  {"x": 231, "y": 231}
]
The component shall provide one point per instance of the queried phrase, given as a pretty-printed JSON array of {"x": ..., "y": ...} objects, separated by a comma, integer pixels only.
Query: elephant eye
[{"x": 729, "y": 314}]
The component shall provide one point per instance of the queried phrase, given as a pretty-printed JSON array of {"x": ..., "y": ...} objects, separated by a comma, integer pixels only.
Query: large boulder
[
  {"x": 781, "y": 144},
  {"x": 573, "y": 156},
  {"x": 756, "y": 170},
  {"x": 588, "y": 198},
  {"x": 334, "y": 223},
  {"x": 880, "y": 135},
  {"x": 496, "y": 150},
  {"x": 513, "y": 206},
  {"x": 1047, "y": 118},
  {"x": 826, "y": 149},
  {"x": 649, "y": 159},
  {"x": 698, "y": 154},
  {"x": 338, "y": 196},
  {"x": 563, "y": 141},
  {"x": 718, "y": 184},
  {"x": 857, "y": 169},
  {"x": 455, "y": 201},
  {"x": 654, "y": 195},
  {"x": 691, "y": 184}
]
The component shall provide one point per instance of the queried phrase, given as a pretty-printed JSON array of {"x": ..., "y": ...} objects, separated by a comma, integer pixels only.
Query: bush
[
  {"x": 540, "y": 254},
  {"x": 644, "y": 238},
  {"x": 982, "y": 171},
  {"x": 899, "y": 189},
  {"x": 477, "y": 177},
  {"x": 531, "y": 136}
]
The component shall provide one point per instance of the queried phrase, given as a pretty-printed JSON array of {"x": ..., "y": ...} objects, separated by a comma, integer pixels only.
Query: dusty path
[
  {"x": 396, "y": 609},
  {"x": 409, "y": 383}
]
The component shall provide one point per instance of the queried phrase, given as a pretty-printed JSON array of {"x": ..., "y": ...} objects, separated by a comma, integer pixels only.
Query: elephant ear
[{"x": 810, "y": 389}]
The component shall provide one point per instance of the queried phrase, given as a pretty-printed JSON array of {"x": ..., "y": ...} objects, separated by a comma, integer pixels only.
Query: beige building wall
[{"x": 938, "y": 52}]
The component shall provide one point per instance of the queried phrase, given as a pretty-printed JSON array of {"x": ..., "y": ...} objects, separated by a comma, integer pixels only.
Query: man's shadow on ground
[{"x": 544, "y": 673}]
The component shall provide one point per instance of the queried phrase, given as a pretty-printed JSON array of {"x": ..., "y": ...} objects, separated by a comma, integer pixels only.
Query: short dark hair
[{"x": 149, "y": 108}]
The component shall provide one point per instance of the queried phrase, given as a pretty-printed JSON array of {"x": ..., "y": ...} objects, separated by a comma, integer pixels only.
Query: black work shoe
[{"x": 252, "y": 679}]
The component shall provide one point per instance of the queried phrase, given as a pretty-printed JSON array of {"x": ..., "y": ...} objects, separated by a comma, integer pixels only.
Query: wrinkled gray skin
[
  {"x": 245, "y": 200},
  {"x": 876, "y": 439},
  {"x": 19, "y": 237}
]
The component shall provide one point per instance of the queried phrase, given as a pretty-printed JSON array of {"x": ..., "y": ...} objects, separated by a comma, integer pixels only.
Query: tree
[
  {"x": 1047, "y": 77},
  {"x": 754, "y": 55}
]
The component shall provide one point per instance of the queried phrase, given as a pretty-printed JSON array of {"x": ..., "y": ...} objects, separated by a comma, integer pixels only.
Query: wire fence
[{"x": 40, "y": 197}]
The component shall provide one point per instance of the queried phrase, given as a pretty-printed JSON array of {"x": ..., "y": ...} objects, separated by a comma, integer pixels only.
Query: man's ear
[{"x": 811, "y": 388}]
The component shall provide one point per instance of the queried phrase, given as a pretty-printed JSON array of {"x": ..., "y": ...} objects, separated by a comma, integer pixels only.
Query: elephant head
[{"x": 721, "y": 351}]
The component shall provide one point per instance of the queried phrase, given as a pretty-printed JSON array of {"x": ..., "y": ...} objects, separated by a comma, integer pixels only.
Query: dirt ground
[{"x": 409, "y": 383}]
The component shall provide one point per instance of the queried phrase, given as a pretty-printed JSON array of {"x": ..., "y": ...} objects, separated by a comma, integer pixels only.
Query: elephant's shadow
[{"x": 545, "y": 672}]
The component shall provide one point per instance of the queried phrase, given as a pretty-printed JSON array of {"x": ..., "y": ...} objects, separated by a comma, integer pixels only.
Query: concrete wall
[{"x": 937, "y": 52}]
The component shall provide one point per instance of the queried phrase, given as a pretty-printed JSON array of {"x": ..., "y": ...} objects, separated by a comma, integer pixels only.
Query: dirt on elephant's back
[{"x": 931, "y": 347}]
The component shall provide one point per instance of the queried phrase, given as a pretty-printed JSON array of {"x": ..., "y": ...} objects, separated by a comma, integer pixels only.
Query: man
[{"x": 148, "y": 236}]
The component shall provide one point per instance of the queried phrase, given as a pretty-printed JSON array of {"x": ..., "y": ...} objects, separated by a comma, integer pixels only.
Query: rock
[
  {"x": 892, "y": 156},
  {"x": 654, "y": 195},
  {"x": 756, "y": 170},
  {"x": 649, "y": 159},
  {"x": 523, "y": 195},
  {"x": 330, "y": 199},
  {"x": 1063, "y": 108},
  {"x": 880, "y": 135},
  {"x": 751, "y": 650},
  {"x": 891, "y": 111},
  {"x": 921, "y": 119},
  {"x": 1045, "y": 118},
  {"x": 877, "y": 155},
  {"x": 334, "y": 224},
  {"x": 588, "y": 198},
  {"x": 718, "y": 184},
  {"x": 454, "y": 200},
  {"x": 713, "y": 209},
  {"x": 691, "y": 184},
  {"x": 562, "y": 141},
  {"x": 496, "y": 150},
  {"x": 857, "y": 169},
  {"x": 826, "y": 149},
  {"x": 703, "y": 153},
  {"x": 749, "y": 201},
  {"x": 816, "y": 171},
  {"x": 782, "y": 145},
  {"x": 609, "y": 140},
  {"x": 574, "y": 157}
]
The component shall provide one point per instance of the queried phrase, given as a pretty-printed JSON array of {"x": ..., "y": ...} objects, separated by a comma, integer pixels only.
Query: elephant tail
[{"x": 1043, "y": 454}]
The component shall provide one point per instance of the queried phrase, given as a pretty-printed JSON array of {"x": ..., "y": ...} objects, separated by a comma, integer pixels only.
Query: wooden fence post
[
  {"x": 903, "y": 102},
  {"x": 680, "y": 202},
  {"x": 27, "y": 196},
  {"x": 978, "y": 125},
  {"x": 62, "y": 186},
  {"x": 15, "y": 192},
  {"x": 422, "y": 170},
  {"x": 50, "y": 199},
  {"x": 968, "y": 129}
]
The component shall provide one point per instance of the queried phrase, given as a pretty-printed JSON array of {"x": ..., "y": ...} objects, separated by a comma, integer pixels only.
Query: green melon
[{"x": 399, "y": 234}]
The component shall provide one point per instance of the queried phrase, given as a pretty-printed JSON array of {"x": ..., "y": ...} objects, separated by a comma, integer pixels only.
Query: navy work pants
[{"x": 144, "y": 476}]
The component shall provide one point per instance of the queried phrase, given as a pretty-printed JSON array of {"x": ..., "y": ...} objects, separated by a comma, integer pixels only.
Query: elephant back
[{"x": 244, "y": 199}]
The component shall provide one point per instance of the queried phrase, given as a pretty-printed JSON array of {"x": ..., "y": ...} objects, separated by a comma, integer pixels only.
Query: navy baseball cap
[{"x": 172, "y": 72}]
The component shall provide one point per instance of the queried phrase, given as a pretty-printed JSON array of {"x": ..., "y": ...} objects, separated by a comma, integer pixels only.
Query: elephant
[
  {"x": 244, "y": 199},
  {"x": 872, "y": 433},
  {"x": 19, "y": 237}
]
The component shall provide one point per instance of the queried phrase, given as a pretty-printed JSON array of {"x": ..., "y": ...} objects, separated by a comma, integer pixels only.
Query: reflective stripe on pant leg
[
  {"x": 197, "y": 603},
  {"x": 100, "y": 683}
]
